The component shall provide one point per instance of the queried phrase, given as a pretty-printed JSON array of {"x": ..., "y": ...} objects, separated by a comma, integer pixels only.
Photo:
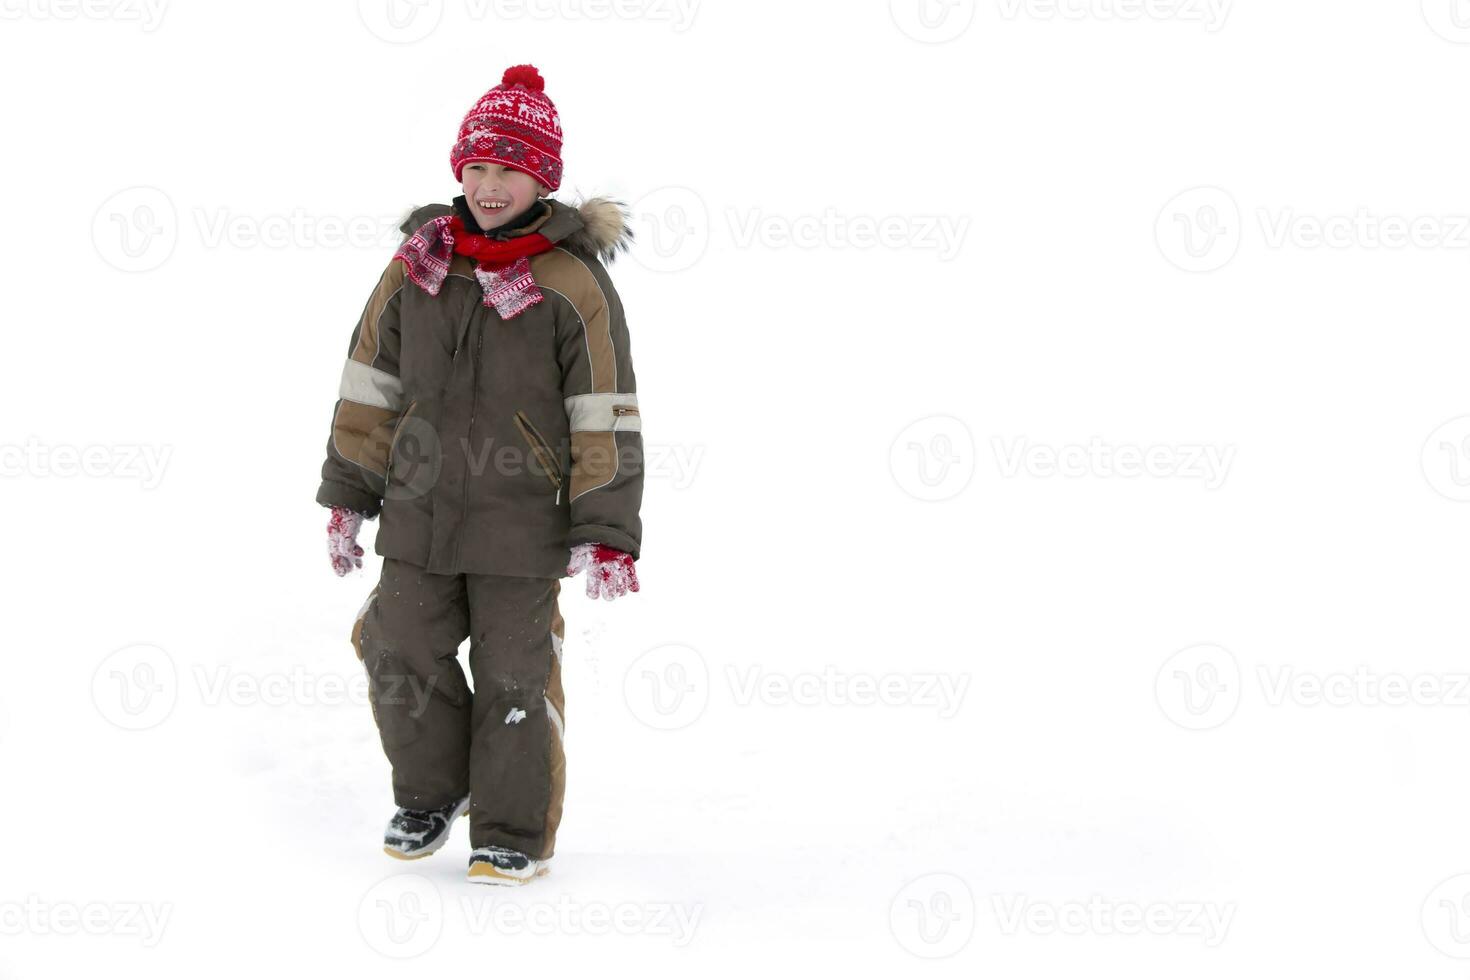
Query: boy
[{"x": 487, "y": 409}]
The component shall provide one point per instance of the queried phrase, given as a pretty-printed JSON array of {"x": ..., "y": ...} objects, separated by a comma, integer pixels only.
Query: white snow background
[{"x": 1208, "y": 718}]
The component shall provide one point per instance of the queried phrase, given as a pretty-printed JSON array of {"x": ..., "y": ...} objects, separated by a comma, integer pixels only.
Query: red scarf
[{"x": 501, "y": 265}]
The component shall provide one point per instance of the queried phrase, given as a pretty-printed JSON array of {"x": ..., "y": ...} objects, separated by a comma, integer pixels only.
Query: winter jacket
[{"x": 491, "y": 446}]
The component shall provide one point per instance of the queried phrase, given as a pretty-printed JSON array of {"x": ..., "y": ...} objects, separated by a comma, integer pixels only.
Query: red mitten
[
  {"x": 609, "y": 571},
  {"x": 342, "y": 545}
]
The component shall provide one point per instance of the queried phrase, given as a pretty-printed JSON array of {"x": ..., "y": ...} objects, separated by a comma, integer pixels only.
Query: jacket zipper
[
  {"x": 542, "y": 451},
  {"x": 464, "y": 505}
]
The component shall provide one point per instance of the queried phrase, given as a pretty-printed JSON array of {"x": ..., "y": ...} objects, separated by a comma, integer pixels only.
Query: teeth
[{"x": 490, "y": 205}]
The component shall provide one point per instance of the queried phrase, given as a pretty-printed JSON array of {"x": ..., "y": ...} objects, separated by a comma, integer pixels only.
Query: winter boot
[
  {"x": 418, "y": 833},
  {"x": 503, "y": 866}
]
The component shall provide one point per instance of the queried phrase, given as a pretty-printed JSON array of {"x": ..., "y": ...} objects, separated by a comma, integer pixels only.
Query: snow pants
[{"x": 502, "y": 742}]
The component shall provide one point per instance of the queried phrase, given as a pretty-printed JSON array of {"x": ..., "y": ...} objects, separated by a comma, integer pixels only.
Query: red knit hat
[{"x": 514, "y": 124}]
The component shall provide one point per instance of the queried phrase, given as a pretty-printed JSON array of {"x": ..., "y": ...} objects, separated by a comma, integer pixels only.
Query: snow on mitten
[
  {"x": 342, "y": 544},
  {"x": 609, "y": 570}
]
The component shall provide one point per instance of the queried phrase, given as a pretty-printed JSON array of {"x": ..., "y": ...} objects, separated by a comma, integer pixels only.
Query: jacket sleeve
[
  {"x": 600, "y": 394},
  {"x": 369, "y": 403}
]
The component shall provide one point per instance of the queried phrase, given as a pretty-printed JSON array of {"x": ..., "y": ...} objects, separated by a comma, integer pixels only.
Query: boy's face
[{"x": 487, "y": 185}]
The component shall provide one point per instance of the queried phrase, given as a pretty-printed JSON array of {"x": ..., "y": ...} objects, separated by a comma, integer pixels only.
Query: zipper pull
[{"x": 558, "y": 495}]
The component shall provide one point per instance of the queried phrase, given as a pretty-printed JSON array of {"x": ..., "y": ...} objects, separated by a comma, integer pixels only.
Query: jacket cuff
[
  {"x": 332, "y": 494},
  {"x": 602, "y": 534}
]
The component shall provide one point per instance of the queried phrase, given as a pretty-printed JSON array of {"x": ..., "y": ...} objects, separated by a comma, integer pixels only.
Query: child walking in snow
[{"x": 487, "y": 414}]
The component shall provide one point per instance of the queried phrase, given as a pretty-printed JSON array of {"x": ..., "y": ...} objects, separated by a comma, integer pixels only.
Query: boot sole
[
  {"x": 459, "y": 811},
  {"x": 486, "y": 874}
]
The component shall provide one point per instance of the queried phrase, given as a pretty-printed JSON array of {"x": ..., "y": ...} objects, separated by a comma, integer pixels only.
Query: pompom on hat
[{"x": 514, "y": 124}]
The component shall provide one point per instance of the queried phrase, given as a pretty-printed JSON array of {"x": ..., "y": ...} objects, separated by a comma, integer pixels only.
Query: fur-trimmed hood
[{"x": 598, "y": 226}]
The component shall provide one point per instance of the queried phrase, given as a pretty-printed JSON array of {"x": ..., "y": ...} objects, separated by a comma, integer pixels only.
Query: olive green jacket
[{"x": 491, "y": 446}]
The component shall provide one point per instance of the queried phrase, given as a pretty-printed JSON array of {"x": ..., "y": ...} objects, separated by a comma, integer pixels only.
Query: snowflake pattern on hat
[{"x": 513, "y": 124}]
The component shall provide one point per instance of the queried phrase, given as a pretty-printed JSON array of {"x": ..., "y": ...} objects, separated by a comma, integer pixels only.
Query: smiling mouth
[{"x": 493, "y": 206}]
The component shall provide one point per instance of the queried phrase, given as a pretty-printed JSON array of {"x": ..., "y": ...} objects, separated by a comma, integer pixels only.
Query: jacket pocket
[
  {"x": 541, "y": 451},
  {"x": 398, "y": 431}
]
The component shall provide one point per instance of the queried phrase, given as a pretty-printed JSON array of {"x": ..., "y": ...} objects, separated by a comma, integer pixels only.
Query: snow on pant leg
[
  {"x": 517, "y": 769},
  {"x": 408, "y": 637}
]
